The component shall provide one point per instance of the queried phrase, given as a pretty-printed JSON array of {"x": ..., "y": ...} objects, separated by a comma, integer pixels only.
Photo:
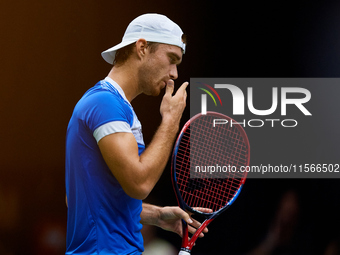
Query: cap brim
[{"x": 109, "y": 54}]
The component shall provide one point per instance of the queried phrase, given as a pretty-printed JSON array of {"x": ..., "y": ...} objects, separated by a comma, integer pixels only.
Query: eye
[{"x": 174, "y": 59}]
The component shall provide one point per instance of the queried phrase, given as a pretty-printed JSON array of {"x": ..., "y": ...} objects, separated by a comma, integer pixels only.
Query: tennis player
[{"x": 108, "y": 170}]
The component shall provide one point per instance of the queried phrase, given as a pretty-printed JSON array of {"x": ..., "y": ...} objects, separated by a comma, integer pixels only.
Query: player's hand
[
  {"x": 192, "y": 228},
  {"x": 172, "y": 106},
  {"x": 170, "y": 219}
]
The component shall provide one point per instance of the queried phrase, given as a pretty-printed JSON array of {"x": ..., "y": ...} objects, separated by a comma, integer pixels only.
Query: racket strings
[{"x": 203, "y": 146}]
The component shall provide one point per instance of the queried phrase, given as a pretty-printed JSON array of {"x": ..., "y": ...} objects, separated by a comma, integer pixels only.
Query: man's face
[{"x": 158, "y": 68}]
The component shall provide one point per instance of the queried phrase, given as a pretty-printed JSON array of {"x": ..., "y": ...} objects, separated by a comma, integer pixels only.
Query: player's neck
[{"x": 127, "y": 79}]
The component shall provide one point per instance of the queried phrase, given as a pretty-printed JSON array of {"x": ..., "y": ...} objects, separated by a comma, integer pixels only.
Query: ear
[{"x": 141, "y": 46}]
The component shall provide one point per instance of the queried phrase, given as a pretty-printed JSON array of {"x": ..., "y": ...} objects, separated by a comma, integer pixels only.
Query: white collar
[{"x": 117, "y": 87}]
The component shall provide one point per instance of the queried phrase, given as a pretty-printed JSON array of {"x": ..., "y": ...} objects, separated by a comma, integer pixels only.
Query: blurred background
[{"x": 50, "y": 54}]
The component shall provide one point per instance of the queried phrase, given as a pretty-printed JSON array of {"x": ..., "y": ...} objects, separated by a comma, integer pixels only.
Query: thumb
[
  {"x": 170, "y": 86},
  {"x": 184, "y": 215}
]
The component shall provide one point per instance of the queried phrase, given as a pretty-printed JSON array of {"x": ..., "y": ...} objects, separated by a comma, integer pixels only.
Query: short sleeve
[
  {"x": 107, "y": 113},
  {"x": 111, "y": 128}
]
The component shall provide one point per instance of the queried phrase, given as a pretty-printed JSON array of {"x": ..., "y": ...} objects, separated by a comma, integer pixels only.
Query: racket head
[{"x": 201, "y": 144}]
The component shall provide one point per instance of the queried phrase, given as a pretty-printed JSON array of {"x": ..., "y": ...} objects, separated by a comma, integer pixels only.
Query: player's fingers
[
  {"x": 184, "y": 86},
  {"x": 181, "y": 93},
  {"x": 183, "y": 215},
  {"x": 170, "y": 86},
  {"x": 182, "y": 89},
  {"x": 196, "y": 224},
  {"x": 203, "y": 210},
  {"x": 192, "y": 230}
]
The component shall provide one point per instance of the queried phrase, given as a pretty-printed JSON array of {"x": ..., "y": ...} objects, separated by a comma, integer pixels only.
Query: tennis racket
[{"x": 208, "y": 168}]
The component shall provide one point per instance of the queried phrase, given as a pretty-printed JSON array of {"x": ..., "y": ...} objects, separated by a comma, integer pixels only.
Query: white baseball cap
[{"x": 151, "y": 27}]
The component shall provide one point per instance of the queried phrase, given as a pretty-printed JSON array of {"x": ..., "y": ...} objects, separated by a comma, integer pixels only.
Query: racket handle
[{"x": 183, "y": 253}]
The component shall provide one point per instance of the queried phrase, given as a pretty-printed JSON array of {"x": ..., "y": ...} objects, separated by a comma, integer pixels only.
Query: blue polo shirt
[{"x": 102, "y": 218}]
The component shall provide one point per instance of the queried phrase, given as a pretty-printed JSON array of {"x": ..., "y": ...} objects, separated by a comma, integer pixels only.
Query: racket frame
[{"x": 209, "y": 217}]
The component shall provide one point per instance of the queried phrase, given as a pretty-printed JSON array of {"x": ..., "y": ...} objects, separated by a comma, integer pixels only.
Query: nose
[{"x": 173, "y": 72}]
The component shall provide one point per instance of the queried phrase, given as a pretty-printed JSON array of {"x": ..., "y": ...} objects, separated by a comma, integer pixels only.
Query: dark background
[{"x": 50, "y": 54}]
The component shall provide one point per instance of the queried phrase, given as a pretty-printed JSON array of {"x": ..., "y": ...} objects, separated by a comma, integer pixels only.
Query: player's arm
[{"x": 138, "y": 174}]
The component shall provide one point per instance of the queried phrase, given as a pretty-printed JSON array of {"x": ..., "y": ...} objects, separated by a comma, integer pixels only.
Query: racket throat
[
  {"x": 188, "y": 244},
  {"x": 198, "y": 232},
  {"x": 185, "y": 238}
]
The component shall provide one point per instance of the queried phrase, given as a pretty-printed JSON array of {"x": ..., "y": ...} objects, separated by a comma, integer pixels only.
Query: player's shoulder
[
  {"x": 100, "y": 96},
  {"x": 100, "y": 104},
  {"x": 98, "y": 91}
]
